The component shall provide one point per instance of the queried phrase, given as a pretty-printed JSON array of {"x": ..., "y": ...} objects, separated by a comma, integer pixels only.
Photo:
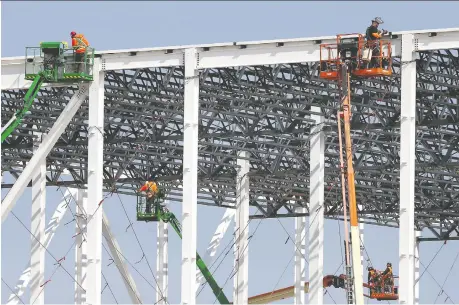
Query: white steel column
[
  {"x": 162, "y": 267},
  {"x": 300, "y": 254},
  {"x": 48, "y": 143},
  {"x": 407, "y": 170},
  {"x": 53, "y": 224},
  {"x": 316, "y": 210},
  {"x": 120, "y": 263},
  {"x": 215, "y": 242},
  {"x": 95, "y": 180},
  {"x": 241, "y": 230},
  {"x": 37, "y": 256},
  {"x": 190, "y": 177},
  {"x": 81, "y": 247},
  {"x": 362, "y": 244},
  {"x": 416, "y": 268}
]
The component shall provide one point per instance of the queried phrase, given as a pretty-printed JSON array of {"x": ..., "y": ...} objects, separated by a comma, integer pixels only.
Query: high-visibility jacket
[
  {"x": 388, "y": 272},
  {"x": 79, "y": 43},
  {"x": 149, "y": 186}
]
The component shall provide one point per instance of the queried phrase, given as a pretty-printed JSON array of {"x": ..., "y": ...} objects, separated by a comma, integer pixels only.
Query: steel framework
[{"x": 257, "y": 97}]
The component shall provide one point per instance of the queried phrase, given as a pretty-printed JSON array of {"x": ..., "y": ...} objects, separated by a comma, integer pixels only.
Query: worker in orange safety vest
[
  {"x": 79, "y": 45},
  {"x": 151, "y": 189}
]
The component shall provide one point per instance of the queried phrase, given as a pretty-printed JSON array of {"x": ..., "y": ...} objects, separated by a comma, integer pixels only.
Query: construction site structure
[{"x": 131, "y": 75}]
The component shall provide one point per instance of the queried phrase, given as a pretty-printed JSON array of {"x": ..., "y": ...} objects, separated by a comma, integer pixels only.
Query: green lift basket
[{"x": 59, "y": 64}]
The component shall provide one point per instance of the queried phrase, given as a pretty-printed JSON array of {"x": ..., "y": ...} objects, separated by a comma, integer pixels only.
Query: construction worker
[
  {"x": 388, "y": 278},
  {"x": 374, "y": 280},
  {"x": 79, "y": 45},
  {"x": 151, "y": 189},
  {"x": 372, "y": 36}
]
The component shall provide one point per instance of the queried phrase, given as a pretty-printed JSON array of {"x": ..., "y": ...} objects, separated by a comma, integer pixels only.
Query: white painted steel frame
[
  {"x": 37, "y": 227},
  {"x": 417, "y": 262},
  {"x": 407, "y": 170},
  {"x": 316, "y": 209},
  {"x": 162, "y": 243},
  {"x": 270, "y": 52},
  {"x": 119, "y": 261},
  {"x": 300, "y": 254},
  {"x": 48, "y": 143},
  {"x": 95, "y": 184},
  {"x": 190, "y": 177},
  {"x": 241, "y": 231},
  {"x": 81, "y": 247},
  {"x": 53, "y": 224},
  {"x": 224, "y": 55}
]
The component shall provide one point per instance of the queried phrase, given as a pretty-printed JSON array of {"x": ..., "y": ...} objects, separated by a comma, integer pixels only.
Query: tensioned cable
[{"x": 446, "y": 278}]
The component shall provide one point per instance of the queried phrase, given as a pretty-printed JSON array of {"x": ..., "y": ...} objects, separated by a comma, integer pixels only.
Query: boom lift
[
  {"x": 51, "y": 62},
  {"x": 160, "y": 212},
  {"x": 352, "y": 55}
]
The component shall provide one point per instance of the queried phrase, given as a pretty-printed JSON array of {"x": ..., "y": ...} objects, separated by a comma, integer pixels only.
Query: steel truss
[{"x": 265, "y": 110}]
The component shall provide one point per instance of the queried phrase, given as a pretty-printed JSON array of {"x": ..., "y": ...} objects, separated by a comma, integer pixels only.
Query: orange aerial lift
[{"x": 352, "y": 55}]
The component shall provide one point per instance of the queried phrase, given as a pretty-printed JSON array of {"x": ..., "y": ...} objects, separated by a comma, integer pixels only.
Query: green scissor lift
[
  {"x": 51, "y": 62},
  {"x": 159, "y": 212}
]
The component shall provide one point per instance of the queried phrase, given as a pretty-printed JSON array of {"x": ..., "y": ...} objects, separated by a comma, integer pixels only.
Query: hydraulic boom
[
  {"x": 28, "y": 101},
  {"x": 169, "y": 217}
]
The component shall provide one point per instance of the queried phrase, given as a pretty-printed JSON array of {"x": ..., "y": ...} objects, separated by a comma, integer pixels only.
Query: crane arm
[
  {"x": 28, "y": 101},
  {"x": 167, "y": 216}
]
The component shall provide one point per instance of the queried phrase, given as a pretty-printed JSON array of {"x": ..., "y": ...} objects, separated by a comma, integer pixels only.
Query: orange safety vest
[
  {"x": 79, "y": 43},
  {"x": 150, "y": 186}
]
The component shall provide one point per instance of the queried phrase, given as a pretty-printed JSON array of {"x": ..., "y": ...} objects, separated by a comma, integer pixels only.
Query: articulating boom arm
[
  {"x": 169, "y": 217},
  {"x": 28, "y": 101}
]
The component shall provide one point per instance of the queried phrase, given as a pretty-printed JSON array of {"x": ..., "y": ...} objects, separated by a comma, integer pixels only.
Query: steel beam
[
  {"x": 417, "y": 261},
  {"x": 316, "y": 208},
  {"x": 81, "y": 247},
  {"x": 37, "y": 257},
  {"x": 53, "y": 224},
  {"x": 44, "y": 149},
  {"x": 215, "y": 242},
  {"x": 300, "y": 254},
  {"x": 190, "y": 177},
  {"x": 436, "y": 40},
  {"x": 119, "y": 261},
  {"x": 407, "y": 171},
  {"x": 241, "y": 231},
  {"x": 162, "y": 262},
  {"x": 141, "y": 60},
  {"x": 95, "y": 184}
]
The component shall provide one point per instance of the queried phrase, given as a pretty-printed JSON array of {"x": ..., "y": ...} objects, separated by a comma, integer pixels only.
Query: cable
[
  {"x": 141, "y": 248},
  {"x": 109, "y": 288},
  {"x": 12, "y": 291},
  {"x": 444, "y": 282},
  {"x": 425, "y": 268}
]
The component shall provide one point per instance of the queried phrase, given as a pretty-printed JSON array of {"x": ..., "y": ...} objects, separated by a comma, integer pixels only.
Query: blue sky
[{"x": 129, "y": 24}]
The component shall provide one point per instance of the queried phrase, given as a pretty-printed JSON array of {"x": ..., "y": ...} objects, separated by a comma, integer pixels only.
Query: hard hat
[
  {"x": 378, "y": 20},
  {"x": 72, "y": 34}
]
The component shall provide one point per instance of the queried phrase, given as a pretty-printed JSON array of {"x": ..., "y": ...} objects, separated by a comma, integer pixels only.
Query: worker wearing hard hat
[
  {"x": 79, "y": 45},
  {"x": 388, "y": 278},
  {"x": 151, "y": 189},
  {"x": 374, "y": 280},
  {"x": 373, "y": 34}
]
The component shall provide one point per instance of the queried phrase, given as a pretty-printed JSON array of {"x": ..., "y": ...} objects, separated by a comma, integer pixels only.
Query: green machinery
[
  {"x": 156, "y": 211},
  {"x": 51, "y": 62}
]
